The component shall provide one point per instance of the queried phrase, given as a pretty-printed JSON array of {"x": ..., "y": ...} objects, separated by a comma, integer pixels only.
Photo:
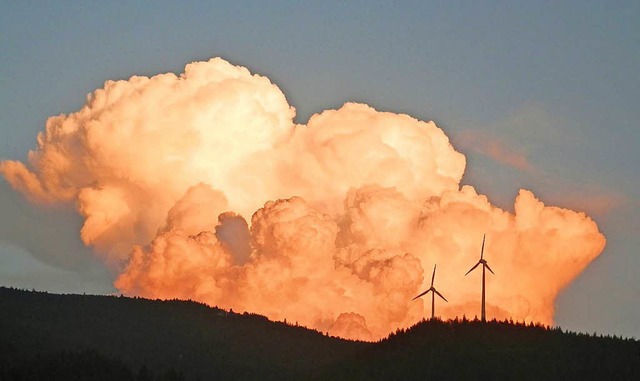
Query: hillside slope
[
  {"x": 194, "y": 339},
  {"x": 48, "y": 336},
  {"x": 472, "y": 350}
]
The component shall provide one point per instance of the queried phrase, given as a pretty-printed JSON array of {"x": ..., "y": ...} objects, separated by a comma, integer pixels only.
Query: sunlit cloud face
[{"x": 201, "y": 186}]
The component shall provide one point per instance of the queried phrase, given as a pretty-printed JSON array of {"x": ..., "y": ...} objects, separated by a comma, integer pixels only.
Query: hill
[
  {"x": 67, "y": 337},
  {"x": 189, "y": 338},
  {"x": 472, "y": 350}
]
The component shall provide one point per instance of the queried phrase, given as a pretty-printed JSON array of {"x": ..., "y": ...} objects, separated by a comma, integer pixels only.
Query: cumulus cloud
[{"x": 201, "y": 186}]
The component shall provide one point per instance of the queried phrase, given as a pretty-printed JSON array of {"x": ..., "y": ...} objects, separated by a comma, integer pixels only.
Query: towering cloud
[{"x": 201, "y": 186}]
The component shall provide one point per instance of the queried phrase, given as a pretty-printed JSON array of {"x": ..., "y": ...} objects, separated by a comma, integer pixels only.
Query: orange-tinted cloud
[{"x": 201, "y": 186}]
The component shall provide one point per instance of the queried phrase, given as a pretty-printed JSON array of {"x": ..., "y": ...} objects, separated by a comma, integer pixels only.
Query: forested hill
[
  {"x": 472, "y": 350},
  {"x": 165, "y": 337},
  {"x": 76, "y": 337}
]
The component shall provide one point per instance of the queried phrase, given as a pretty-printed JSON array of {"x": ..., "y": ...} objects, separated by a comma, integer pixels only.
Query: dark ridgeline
[
  {"x": 188, "y": 338},
  {"x": 76, "y": 337},
  {"x": 475, "y": 350}
]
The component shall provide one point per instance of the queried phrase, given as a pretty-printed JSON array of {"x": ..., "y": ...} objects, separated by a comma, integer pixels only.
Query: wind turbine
[
  {"x": 433, "y": 294},
  {"x": 484, "y": 265}
]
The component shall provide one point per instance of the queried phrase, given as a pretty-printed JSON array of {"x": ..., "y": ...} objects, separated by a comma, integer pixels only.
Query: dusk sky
[{"x": 540, "y": 96}]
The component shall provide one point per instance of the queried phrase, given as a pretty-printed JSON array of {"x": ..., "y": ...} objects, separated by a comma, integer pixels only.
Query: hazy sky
[{"x": 537, "y": 95}]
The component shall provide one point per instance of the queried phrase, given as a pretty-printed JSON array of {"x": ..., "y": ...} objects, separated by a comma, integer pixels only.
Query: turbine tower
[
  {"x": 484, "y": 265},
  {"x": 433, "y": 294}
]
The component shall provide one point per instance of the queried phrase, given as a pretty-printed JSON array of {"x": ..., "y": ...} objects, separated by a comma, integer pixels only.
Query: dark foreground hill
[
  {"x": 472, "y": 350},
  {"x": 188, "y": 338},
  {"x": 76, "y": 337}
]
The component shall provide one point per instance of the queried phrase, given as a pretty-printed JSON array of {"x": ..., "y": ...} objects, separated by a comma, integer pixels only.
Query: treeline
[
  {"x": 80, "y": 337},
  {"x": 464, "y": 349},
  {"x": 197, "y": 341}
]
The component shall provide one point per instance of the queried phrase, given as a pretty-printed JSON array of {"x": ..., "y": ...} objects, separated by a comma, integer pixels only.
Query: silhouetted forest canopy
[{"x": 83, "y": 337}]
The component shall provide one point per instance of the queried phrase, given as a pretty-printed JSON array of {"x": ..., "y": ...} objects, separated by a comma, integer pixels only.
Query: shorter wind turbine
[
  {"x": 484, "y": 265},
  {"x": 433, "y": 294}
]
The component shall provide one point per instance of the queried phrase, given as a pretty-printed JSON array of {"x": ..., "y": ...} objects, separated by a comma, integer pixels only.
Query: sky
[{"x": 536, "y": 95}]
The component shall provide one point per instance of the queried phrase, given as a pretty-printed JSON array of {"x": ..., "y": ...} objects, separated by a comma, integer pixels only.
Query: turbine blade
[
  {"x": 482, "y": 251},
  {"x": 473, "y": 268},
  {"x": 489, "y": 268},
  {"x": 433, "y": 277},
  {"x": 440, "y": 295},
  {"x": 420, "y": 295}
]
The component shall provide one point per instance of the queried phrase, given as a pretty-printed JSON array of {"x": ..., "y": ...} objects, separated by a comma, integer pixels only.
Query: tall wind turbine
[
  {"x": 484, "y": 265},
  {"x": 433, "y": 294}
]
